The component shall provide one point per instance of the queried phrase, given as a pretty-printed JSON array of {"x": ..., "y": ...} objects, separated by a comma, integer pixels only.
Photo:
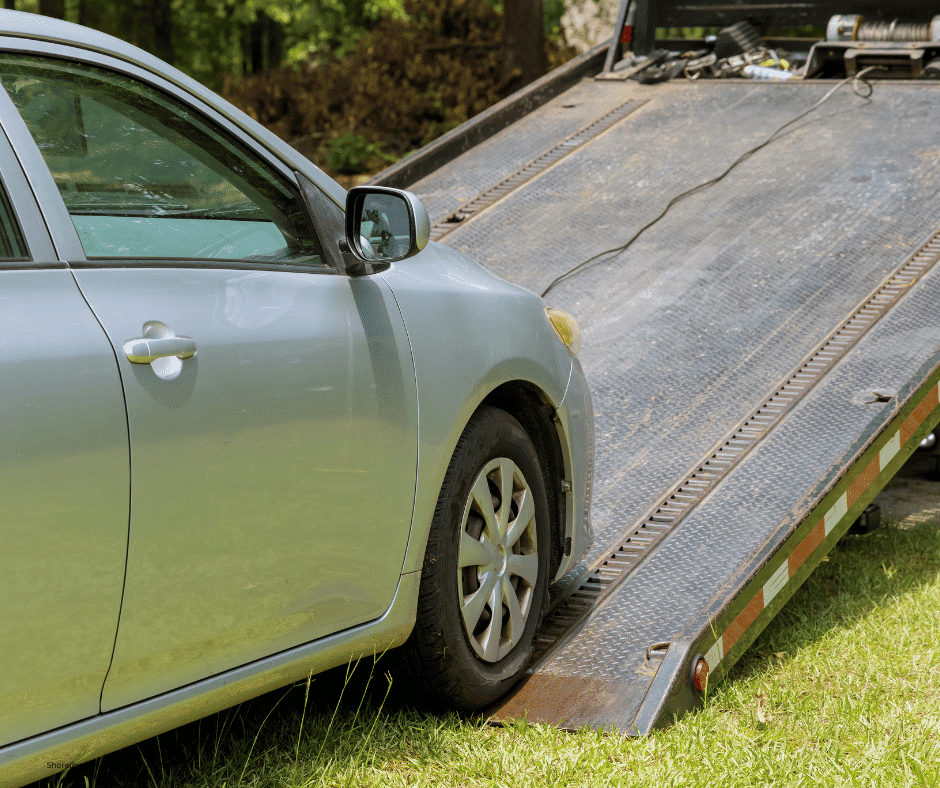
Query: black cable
[{"x": 855, "y": 80}]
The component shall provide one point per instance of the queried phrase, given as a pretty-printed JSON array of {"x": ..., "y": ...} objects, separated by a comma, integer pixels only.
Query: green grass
[{"x": 842, "y": 689}]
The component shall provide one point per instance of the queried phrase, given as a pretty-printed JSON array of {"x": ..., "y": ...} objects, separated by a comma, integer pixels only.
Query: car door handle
[{"x": 158, "y": 342}]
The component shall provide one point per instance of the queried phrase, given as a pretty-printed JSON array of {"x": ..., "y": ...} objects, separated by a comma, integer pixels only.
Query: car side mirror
[{"x": 385, "y": 225}]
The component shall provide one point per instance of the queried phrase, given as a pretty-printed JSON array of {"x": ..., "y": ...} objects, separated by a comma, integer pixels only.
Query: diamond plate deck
[
  {"x": 685, "y": 332},
  {"x": 445, "y": 190},
  {"x": 614, "y": 565},
  {"x": 773, "y": 490},
  {"x": 691, "y": 327},
  {"x": 775, "y": 487}
]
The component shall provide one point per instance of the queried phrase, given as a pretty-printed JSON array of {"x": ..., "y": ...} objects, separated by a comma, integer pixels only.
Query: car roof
[{"x": 23, "y": 25}]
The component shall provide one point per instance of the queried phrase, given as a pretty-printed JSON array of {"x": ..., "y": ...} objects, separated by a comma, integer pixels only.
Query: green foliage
[
  {"x": 334, "y": 27},
  {"x": 212, "y": 35},
  {"x": 394, "y": 74},
  {"x": 552, "y": 12},
  {"x": 352, "y": 153},
  {"x": 414, "y": 76},
  {"x": 212, "y": 38},
  {"x": 208, "y": 37}
]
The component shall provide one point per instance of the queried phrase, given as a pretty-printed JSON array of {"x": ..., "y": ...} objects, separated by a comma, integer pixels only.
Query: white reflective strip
[
  {"x": 714, "y": 655},
  {"x": 891, "y": 448},
  {"x": 777, "y": 581},
  {"x": 836, "y": 513}
]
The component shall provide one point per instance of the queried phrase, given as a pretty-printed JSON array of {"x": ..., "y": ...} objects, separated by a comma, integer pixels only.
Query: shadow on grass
[{"x": 291, "y": 736}]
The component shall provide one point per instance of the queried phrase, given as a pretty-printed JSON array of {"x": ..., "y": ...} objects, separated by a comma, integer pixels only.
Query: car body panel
[
  {"x": 295, "y": 423},
  {"x": 28, "y": 760},
  {"x": 61, "y": 419},
  {"x": 576, "y": 423},
  {"x": 288, "y": 438},
  {"x": 226, "y": 599},
  {"x": 64, "y": 483},
  {"x": 470, "y": 333}
]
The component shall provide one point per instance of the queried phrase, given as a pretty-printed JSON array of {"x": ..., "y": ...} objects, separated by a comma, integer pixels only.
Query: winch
[{"x": 895, "y": 49}]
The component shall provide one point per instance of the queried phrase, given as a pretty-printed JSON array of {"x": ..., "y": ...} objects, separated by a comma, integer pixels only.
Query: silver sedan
[{"x": 251, "y": 426}]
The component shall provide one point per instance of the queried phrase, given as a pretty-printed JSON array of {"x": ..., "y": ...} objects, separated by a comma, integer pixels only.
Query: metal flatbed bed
[{"x": 762, "y": 359}]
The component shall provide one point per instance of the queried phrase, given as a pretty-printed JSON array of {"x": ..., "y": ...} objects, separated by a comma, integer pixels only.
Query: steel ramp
[
  {"x": 691, "y": 334},
  {"x": 715, "y": 581}
]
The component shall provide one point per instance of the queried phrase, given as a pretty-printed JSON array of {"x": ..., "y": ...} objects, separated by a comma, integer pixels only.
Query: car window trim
[
  {"x": 187, "y": 262},
  {"x": 58, "y": 220},
  {"x": 127, "y": 55},
  {"x": 26, "y": 210}
]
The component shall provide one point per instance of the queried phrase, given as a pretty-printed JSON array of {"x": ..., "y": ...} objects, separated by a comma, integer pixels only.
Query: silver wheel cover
[{"x": 497, "y": 559}]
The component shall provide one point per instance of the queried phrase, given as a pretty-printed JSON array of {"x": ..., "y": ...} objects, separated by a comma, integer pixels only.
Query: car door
[
  {"x": 271, "y": 402},
  {"x": 64, "y": 478}
]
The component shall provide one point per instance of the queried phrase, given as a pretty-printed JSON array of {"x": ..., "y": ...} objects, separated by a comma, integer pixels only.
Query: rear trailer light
[{"x": 700, "y": 675}]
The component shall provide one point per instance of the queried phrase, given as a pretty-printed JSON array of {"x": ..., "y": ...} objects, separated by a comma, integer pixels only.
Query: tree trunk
[
  {"x": 524, "y": 38},
  {"x": 99, "y": 14},
  {"x": 265, "y": 44},
  {"x": 163, "y": 30},
  {"x": 54, "y": 8}
]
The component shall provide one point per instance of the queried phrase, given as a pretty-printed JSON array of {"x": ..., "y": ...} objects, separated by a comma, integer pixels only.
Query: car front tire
[{"x": 485, "y": 576}]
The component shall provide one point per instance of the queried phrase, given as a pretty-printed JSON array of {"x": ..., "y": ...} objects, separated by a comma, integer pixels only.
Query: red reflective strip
[
  {"x": 863, "y": 481},
  {"x": 745, "y": 618},
  {"x": 627, "y": 35},
  {"x": 918, "y": 415},
  {"x": 805, "y": 548}
]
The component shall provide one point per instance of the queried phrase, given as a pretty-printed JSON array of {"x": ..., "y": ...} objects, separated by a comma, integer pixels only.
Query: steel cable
[{"x": 857, "y": 81}]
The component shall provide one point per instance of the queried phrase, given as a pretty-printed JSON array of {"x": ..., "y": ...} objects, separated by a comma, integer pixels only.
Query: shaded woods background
[{"x": 353, "y": 84}]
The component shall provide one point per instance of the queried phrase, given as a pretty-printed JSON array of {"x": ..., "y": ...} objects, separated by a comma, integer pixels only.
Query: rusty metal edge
[
  {"x": 481, "y": 127},
  {"x": 671, "y": 695}
]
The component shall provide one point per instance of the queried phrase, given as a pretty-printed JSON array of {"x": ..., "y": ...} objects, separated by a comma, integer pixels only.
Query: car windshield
[{"x": 143, "y": 175}]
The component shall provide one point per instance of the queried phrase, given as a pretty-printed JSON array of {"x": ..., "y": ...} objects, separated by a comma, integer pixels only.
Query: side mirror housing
[{"x": 385, "y": 225}]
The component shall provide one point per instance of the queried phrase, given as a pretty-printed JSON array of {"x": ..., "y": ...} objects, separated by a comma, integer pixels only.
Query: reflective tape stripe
[
  {"x": 777, "y": 581},
  {"x": 714, "y": 655},
  {"x": 918, "y": 416},
  {"x": 806, "y": 548},
  {"x": 860, "y": 482},
  {"x": 836, "y": 513},
  {"x": 744, "y": 620},
  {"x": 891, "y": 448},
  {"x": 863, "y": 481}
]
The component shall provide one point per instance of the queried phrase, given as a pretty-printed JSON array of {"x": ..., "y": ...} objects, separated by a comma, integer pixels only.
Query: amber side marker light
[
  {"x": 566, "y": 327},
  {"x": 700, "y": 675}
]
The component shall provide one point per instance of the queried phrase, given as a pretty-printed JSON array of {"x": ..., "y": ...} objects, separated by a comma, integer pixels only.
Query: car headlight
[{"x": 566, "y": 327}]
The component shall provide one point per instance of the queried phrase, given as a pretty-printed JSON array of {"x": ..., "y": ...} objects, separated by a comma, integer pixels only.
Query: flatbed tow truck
[{"x": 763, "y": 356}]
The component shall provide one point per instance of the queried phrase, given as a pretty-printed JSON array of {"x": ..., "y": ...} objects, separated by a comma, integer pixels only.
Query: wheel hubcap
[{"x": 497, "y": 559}]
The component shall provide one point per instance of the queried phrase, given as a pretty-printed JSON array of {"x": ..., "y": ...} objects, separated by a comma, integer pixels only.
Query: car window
[
  {"x": 145, "y": 176},
  {"x": 12, "y": 243}
]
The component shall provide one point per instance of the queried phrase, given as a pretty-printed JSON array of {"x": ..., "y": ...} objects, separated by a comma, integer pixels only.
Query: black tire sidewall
[{"x": 491, "y": 433}]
